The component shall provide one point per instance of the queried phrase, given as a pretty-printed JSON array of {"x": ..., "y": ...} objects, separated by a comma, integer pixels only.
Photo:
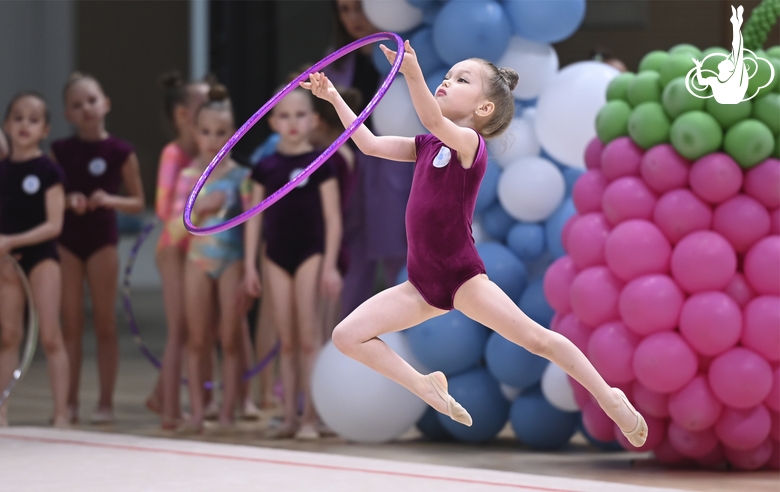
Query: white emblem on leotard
[
  {"x": 295, "y": 172},
  {"x": 97, "y": 166},
  {"x": 31, "y": 184},
  {"x": 442, "y": 158}
]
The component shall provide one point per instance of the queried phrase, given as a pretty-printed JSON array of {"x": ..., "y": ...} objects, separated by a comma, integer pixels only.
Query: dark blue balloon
[
  {"x": 511, "y": 364},
  {"x": 538, "y": 266},
  {"x": 545, "y": 21},
  {"x": 427, "y": 57},
  {"x": 554, "y": 226},
  {"x": 539, "y": 424},
  {"x": 481, "y": 396},
  {"x": 497, "y": 222},
  {"x": 465, "y": 30},
  {"x": 403, "y": 276},
  {"x": 526, "y": 240},
  {"x": 451, "y": 343},
  {"x": 488, "y": 189},
  {"x": 421, "y": 4},
  {"x": 570, "y": 176},
  {"x": 503, "y": 268},
  {"x": 431, "y": 12},
  {"x": 431, "y": 428},
  {"x": 535, "y": 305}
]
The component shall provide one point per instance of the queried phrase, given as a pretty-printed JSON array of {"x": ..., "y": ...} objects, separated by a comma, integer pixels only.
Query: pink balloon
[
  {"x": 635, "y": 248},
  {"x": 586, "y": 240},
  {"x": 557, "y": 284},
  {"x": 555, "y": 320},
  {"x": 711, "y": 322},
  {"x": 611, "y": 350},
  {"x": 663, "y": 169},
  {"x": 627, "y": 198},
  {"x": 762, "y": 327},
  {"x": 774, "y": 222},
  {"x": 594, "y": 296},
  {"x": 593, "y": 153},
  {"x": 740, "y": 378},
  {"x": 693, "y": 444},
  {"x": 774, "y": 458},
  {"x": 565, "y": 231},
  {"x": 742, "y": 221},
  {"x": 664, "y": 362},
  {"x": 621, "y": 157},
  {"x": 702, "y": 260},
  {"x": 695, "y": 407},
  {"x": 597, "y": 423},
  {"x": 761, "y": 182},
  {"x": 740, "y": 290},
  {"x": 743, "y": 429},
  {"x": 774, "y": 431},
  {"x": 649, "y": 402},
  {"x": 680, "y": 212},
  {"x": 762, "y": 266},
  {"x": 714, "y": 459},
  {"x": 772, "y": 400},
  {"x": 665, "y": 453},
  {"x": 749, "y": 459},
  {"x": 656, "y": 434},
  {"x": 704, "y": 362},
  {"x": 574, "y": 330},
  {"x": 651, "y": 303},
  {"x": 715, "y": 177},
  {"x": 588, "y": 190}
]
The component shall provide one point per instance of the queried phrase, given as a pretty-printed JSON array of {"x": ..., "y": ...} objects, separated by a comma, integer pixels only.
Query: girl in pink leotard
[{"x": 473, "y": 102}]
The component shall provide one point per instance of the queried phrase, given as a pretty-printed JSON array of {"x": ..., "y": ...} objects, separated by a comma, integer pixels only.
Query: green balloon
[
  {"x": 612, "y": 120},
  {"x": 645, "y": 87},
  {"x": 686, "y": 49},
  {"x": 766, "y": 109},
  {"x": 677, "y": 99},
  {"x": 711, "y": 63},
  {"x": 714, "y": 49},
  {"x": 648, "y": 125},
  {"x": 728, "y": 114},
  {"x": 761, "y": 78},
  {"x": 774, "y": 51},
  {"x": 653, "y": 60},
  {"x": 676, "y": 66},
  {"x": 749, "y": 142},
  {"x": 619, "y": 85},
  {"x": 695, "y": 134}
]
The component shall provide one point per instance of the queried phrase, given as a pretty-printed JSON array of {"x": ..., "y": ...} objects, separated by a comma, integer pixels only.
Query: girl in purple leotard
[
  {"x": 473, "y": 102},
  {"x": 31, "y": 208},
  {"x": 96, "y": 164}
]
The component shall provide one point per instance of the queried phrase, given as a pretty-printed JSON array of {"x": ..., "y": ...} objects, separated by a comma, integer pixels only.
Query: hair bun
[
  {"x": 510, "y": 77},
  {"x": 172, "y": 80},
  {"x": 218, "y": 93}
]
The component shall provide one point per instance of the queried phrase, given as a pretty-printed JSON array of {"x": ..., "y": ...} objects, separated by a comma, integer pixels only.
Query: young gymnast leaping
[{"x": 473, "y": 102}]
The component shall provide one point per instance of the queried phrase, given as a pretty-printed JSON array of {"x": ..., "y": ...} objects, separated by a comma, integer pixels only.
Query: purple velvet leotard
[
  {"x": 23, "y": 187},
  {"x": 90, "y": 166},
  {"x": 442, "y": 255}
]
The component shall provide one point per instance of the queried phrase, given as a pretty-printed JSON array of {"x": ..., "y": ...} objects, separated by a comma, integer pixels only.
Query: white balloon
[
  {"x": 556, "y": 388},
  {"x": 360, "y": 404},
  {"x": 531, "y": 188},
  {"x": 567, "y": 108},
  {"x": 392, "y": 15},
  {"x": 517, "y": 142},
  {"x": 509, "y": 392},
  {"x": 535, "y": 63},
  {"x": 395, "y": 114}
]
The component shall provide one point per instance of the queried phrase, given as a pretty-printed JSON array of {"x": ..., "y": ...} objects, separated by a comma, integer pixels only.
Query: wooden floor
[{"x": 31, "y": 407}]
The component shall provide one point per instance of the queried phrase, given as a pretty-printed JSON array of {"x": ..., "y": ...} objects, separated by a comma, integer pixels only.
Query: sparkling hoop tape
[
  {"x": 32, "y": 337},
  {"x": 319, "y": 160}
]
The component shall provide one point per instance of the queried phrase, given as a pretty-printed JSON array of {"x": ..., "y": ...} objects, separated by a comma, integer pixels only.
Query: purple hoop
[{"x": 202, "y": 231}]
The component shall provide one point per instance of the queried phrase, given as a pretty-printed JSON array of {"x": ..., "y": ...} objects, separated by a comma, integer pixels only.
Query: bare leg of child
[
  {"x": 230, "y": 326},
  {"x": 73, "y": 278},
  {"x": 12, "y": 304},
  {"x": 265, "y": 339}
]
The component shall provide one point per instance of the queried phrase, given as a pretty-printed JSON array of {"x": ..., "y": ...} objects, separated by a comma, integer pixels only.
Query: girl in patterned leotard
[
  {"x": 95, "y": 164},
  {"x": 445, "y": 272},
  {"x": 32, "y": 204}
]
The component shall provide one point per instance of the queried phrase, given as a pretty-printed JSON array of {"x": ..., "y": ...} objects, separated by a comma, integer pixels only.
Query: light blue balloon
[
  {"x": 433, "y": 81},
  {"x": 538, "y": 267},
  {"x": 570, "y": 176},
  {"x": 503, "y": 268},
  {"x": 539, "y": 424},
  {"x": 481, "y": 396},
  {"x": 535, "y": 305},
  {"x": 431, "y": 428},
  {"x": 403, "y": 276},
  {"x": 471, "y": 29},
  {"x": 554, "y": 226},
  {"x": 427, "y": 57},
  {"x": 545, "y": 21},
  {"x": 526, "y": 240},
  {"x": 497, "y": 222},
  {"x": 431, "y": 12},
  {"x": 451, "y": 343},
  {"x": 488, "y": 189},
  {"x": 511, "y": 364}
]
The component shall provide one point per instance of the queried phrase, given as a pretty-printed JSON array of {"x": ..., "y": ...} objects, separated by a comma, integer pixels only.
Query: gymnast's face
[
  {"x": 463, "y": 90},
  {"x": 353, "y": 18},
  {"x": 86, "y": 106},
  {"x": 26, "y": 124},
  {"x": 215, "y": 127},
  {"x": 294, "y": 118}
]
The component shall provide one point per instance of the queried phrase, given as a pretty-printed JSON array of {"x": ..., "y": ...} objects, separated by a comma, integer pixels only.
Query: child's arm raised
[
  {"x": 331, "y": 279},
  {"x": 50, "y": 229},
  {"x": 392, "y": 148}
]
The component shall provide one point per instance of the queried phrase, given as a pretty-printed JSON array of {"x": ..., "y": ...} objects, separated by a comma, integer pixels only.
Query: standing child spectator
[
  {"x": 31, "y": 209},
  {"x": 302, "y": 235},
  {"x": 3, "y": 146},
  {"x": 95, "y": 164}
]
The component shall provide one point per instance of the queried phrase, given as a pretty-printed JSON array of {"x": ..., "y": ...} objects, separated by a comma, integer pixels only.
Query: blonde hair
[
  {"x": 500, "y": 84},
  {"x": 77, "y": 77}
]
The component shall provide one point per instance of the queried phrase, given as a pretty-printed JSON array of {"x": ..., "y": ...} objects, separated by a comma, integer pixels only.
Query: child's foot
[
  {"x": 73, "y": 414},
  {"x": 285, "y": 431},
  {"x": 629, "y": 418},
  {"x": 153, "y": 405},
  {"x": 436, "y": 395},
  {"x": 102, "y": 416},
  {"x": 308, "y": 432},
  {"x": 61, "y": 422},
  {"x": 249, "y": 411},
  {"x": 190, "y": 427}
]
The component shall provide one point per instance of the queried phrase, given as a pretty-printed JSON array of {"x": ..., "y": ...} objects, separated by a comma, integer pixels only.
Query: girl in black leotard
[{"x": 31, "y": 209}]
